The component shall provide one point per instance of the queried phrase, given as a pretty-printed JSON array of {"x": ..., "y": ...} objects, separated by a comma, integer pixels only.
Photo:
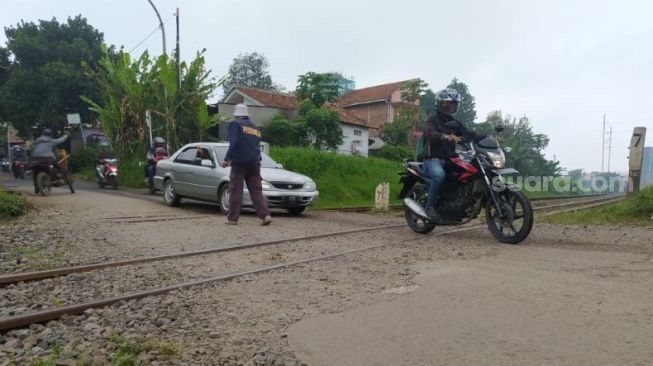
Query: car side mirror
[
  {"x": 207, "y": 162},
  {"x": 279, "y": 166}
]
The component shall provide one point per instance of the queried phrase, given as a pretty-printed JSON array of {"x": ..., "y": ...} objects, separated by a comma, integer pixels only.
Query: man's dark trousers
[{"x": 251, "y": 175}]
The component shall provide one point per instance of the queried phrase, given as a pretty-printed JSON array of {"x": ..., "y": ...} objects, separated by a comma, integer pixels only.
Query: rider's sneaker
[{"x": 433, "y": 214}]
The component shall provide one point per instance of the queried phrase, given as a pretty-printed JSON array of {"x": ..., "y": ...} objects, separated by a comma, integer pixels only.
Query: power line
[{"x": 151, "y": 34}]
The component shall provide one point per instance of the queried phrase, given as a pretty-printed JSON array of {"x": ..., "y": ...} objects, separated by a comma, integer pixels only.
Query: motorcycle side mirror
[
  {"x": 207, "y": 163},
  {"x": 499, "y": 129}
]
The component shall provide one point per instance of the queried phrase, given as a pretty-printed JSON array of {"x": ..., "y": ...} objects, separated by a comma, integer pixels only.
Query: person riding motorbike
[
  {"x": 443, "y": 132},
  {"x": 156, "y": 153},
  {"x": 43, "y": 151},
  {"x": 17, "y": 154}
]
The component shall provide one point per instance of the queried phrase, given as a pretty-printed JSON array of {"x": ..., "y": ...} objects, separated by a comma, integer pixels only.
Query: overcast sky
[{"x": 561, "y": 63}]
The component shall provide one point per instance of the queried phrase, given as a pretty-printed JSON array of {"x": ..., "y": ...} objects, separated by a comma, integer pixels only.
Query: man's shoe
[
  {"x": 266, "y": 220},
  {"x": 229, "y": 222},
  {"x": 433, "y": 214}
]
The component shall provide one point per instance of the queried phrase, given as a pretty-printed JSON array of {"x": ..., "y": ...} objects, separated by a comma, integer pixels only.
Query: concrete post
[{"x": 635, "y": 158}]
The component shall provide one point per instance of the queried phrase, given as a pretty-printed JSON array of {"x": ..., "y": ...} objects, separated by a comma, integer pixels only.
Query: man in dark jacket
[
  {"x": 443, "y": 132},
  {"x": 244, "y": 157}
]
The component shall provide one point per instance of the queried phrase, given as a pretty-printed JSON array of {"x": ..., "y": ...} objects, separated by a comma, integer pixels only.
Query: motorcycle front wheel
[
  {"x": 416, "y": 223},
  {"x": 43, "y": 183},
  {"x": 516, "y": 221}
]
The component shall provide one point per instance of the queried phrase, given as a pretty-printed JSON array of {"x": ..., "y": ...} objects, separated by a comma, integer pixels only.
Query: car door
[
  {"x": 183, "y": 168},
  {"x": 205, "y": 178}
]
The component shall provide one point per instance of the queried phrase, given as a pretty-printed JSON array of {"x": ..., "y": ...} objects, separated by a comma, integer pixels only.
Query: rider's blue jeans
[{"x": 434, "y": 170}]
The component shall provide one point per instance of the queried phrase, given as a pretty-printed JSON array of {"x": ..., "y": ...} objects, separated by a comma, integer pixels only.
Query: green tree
[
  {"x": 527, "y": 146},
  {"x": 250, "y": 69},
  {"x": 409, "y": 116},
  {"x": 467, "y": 111},
  {"x": 281, "y": 132},
  {"x": 46, "y": 76},
  {"x": 321, "y": 126},
  {"x": 318, "y": 88},
  {"x": 427, "y": 103}
]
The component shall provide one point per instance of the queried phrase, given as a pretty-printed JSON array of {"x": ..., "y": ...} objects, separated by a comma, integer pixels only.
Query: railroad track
[{"x": 21, "y": 320}]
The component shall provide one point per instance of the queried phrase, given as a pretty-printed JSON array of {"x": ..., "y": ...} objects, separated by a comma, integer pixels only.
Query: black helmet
[
  {"x": 447, "y": 101},
  {"x": 159, "y": 141},
  {"x": 47, "y": 132}
]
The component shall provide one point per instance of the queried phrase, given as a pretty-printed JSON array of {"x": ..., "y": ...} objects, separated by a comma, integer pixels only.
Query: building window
[{"x": 358, "y": 133}]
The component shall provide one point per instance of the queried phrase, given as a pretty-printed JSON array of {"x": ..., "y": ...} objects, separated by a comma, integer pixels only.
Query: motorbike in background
[
  {"x": 48, "y": 174},
  {"x": 106, "y": 173},
  {"x": 19, "y": 167},
  {"x": 474, "y": 181},
  {"x": 159, "y": 154}
]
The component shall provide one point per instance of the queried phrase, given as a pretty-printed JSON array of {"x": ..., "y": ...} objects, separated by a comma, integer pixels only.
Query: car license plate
[{"x": 291, "y": 199}]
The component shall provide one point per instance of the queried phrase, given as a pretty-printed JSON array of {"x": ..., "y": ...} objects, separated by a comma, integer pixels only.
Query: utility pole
[
  {"x": 603, "y": 146},
  {"x": 609, "y": 148},
  {"x": 177, "y": 66}
]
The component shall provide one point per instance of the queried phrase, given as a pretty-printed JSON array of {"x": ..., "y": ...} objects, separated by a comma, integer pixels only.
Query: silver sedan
[{"x": 194, "y": 171}]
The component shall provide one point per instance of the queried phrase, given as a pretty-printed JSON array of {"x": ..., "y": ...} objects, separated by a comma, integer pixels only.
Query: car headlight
[
  {"x": 498, "y": 159},
  {"x": 266, "y": 186},
  {"x": 309, "y": 186}
]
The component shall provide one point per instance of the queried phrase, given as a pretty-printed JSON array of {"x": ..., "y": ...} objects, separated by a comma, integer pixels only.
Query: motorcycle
[
  {"x": 19, "y": 168},
  {"x": 5, "y": 165},
  {"x": 106, "y": 173},
  {"x": 474, "y": 180},
  {"x": 159, "y": 154},
  {"x": 48, "y": 175}
]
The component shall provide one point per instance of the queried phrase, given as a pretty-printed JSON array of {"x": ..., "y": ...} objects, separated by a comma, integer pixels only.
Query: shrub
[
  {"x": 11, "y": 205},
  {"x": 395, "y": 152}
]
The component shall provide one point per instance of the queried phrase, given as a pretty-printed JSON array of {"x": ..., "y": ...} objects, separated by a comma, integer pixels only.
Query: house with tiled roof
[
  {"x": 377, "y": 105},
  {"x": 264, "y": 104}
]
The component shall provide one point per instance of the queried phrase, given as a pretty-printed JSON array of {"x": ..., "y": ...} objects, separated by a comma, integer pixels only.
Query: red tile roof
[
  {"x": 369, "y": 94},
  {"x": 288, "y": 101},
  {"x": 270, "y": 98}
]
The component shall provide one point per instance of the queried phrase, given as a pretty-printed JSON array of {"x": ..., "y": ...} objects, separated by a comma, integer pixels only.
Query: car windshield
[{"x": 266, "y": 161}]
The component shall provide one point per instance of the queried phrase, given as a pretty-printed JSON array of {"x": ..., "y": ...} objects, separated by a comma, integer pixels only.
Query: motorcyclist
[
  {"x": 43, "y": 151},
  {"x": 154, "y": 154},
  {"x": 17, "y": 154},
  {"x": 443, "y": 132}
]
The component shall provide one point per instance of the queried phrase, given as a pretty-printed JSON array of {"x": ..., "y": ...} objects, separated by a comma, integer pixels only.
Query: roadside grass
[
  {"x": 128, "y": 350},
  {"x": 37, "y": 257},
  {"x": 342, "y": 180},
  {"x": 12, "y": 205},
  {"x": 636, "y": 210}
]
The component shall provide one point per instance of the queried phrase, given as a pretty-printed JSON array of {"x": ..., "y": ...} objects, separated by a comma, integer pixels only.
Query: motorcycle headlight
[
  {"x": 266, "y": 186},
  {"x": 498, "y": 159},
  {"x": 309, "y": 186}
]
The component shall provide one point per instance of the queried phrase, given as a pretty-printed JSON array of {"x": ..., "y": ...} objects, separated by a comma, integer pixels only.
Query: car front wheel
[{"x": 170, "y": 196}]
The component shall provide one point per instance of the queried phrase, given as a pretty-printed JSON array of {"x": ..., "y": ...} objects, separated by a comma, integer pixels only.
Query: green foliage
[
  {"x": 633, "y": 210},
  {"x": 11, "y": 205},
  {"x": 45, "y": 77},
  {"x": 467, "y": 110},
  {"x": 409, "y": 116},
  {"x": 131, "y": 87},
  {"x": 128, "y": 350},
  {"x": 427, "y": 102},
  {"x": 84, "y": 160},
  {"x": 250, "y": 69},
  {"x": 342, "y": 180},
  {"x": 321, "y": 126},
  {"x": 527, "y": 147},
  {"x": 318, "y": 88},
  {"x": 394, "y": 152},
  {"x": 281, "y": 132}
]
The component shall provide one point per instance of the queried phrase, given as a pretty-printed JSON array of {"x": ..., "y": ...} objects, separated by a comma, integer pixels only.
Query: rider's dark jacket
[{"x": 437, "y": 126}]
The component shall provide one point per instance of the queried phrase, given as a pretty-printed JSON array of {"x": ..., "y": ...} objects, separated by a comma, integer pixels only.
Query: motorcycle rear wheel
[
  {"x": 517, "y": 209},
  {"x": 416, "y": 223}
]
